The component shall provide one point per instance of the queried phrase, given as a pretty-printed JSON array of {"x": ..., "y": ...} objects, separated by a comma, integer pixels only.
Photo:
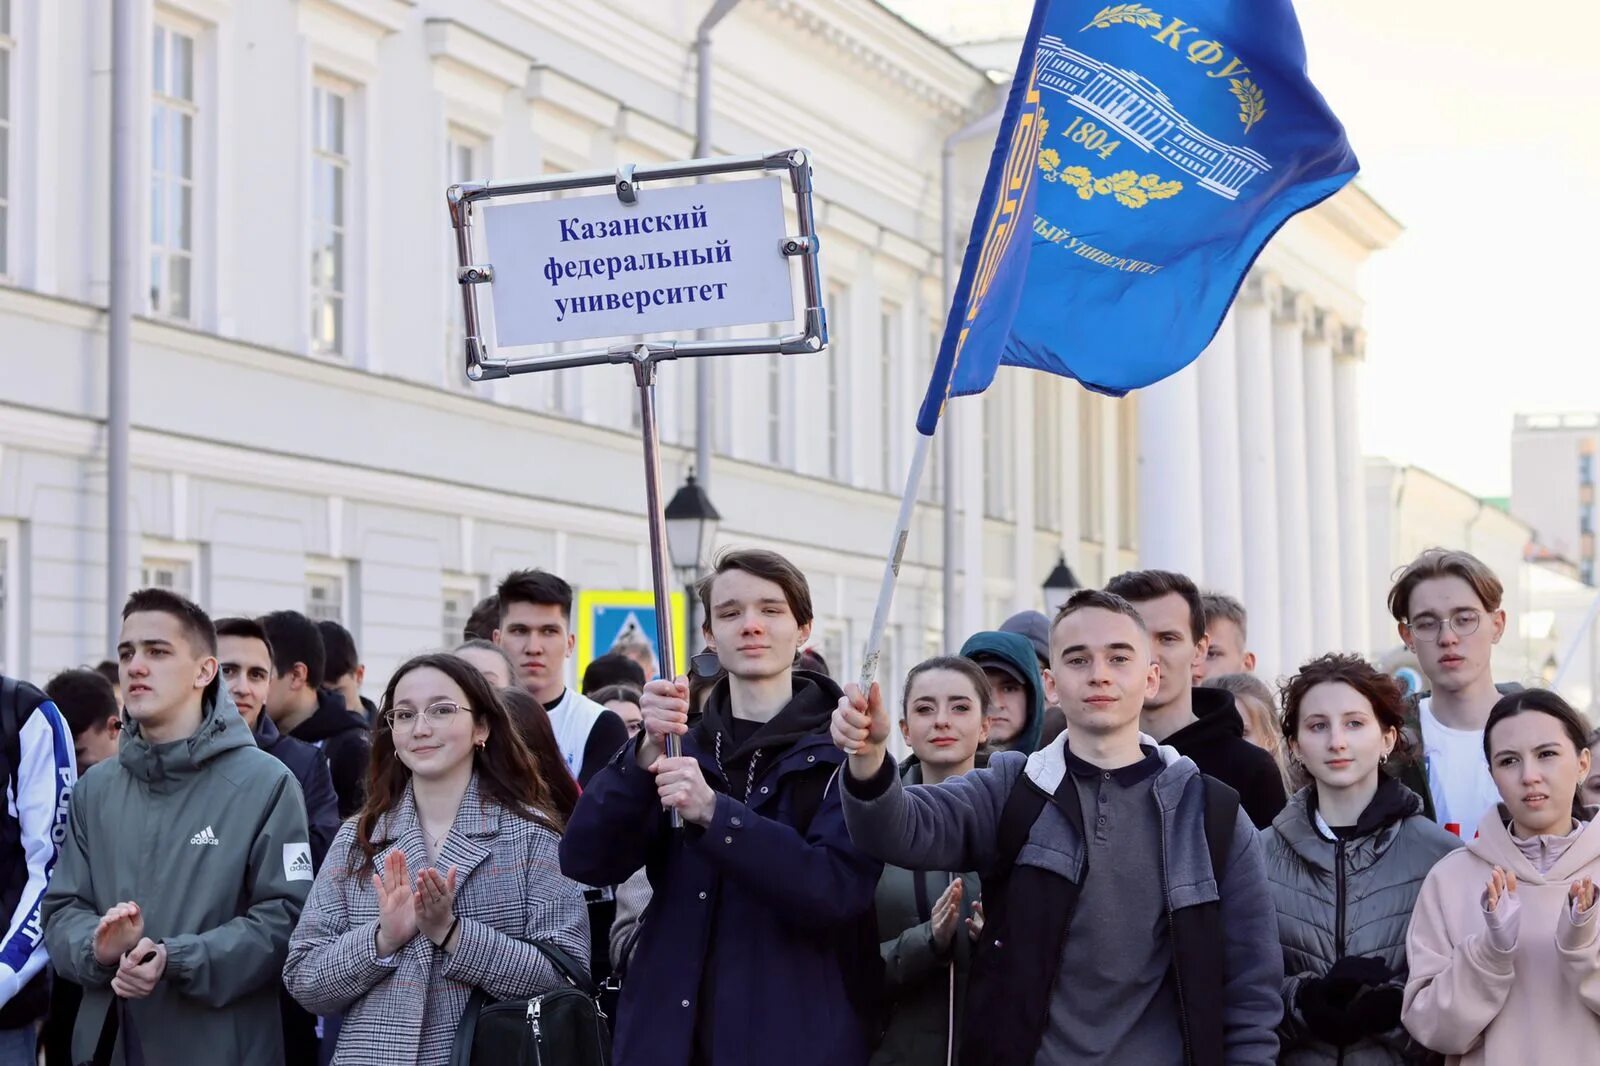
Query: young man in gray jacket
[
  {"x": 185, "y": 864},
  {"x": 1126, "y": 903}
]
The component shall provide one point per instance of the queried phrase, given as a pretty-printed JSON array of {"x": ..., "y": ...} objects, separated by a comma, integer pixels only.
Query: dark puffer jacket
[{"x": 1352, "y": 897}]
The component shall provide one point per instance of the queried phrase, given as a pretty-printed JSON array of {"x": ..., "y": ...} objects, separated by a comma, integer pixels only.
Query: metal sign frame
[{"x": 627, "y": 180}]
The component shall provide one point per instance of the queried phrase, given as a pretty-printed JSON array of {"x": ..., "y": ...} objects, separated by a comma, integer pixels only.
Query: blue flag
[{"x": 1147, "y": 154}]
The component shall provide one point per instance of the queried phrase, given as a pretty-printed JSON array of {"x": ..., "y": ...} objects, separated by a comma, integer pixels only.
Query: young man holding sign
[
  {"x": 758, "y": 938},
  {"x": 1126, "y": 905}
]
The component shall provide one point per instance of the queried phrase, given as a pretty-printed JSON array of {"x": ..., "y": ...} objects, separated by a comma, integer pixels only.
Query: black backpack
[{"x": 561, "y": 1028}]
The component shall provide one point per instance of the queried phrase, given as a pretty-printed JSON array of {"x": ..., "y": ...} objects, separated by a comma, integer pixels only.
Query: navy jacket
[
  {"x": 759, "y": 910},
  {"x": 310, "y": 769}
]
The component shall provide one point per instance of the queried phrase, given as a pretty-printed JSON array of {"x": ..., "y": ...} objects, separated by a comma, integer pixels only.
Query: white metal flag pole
[{"x": 891, "y": 569}]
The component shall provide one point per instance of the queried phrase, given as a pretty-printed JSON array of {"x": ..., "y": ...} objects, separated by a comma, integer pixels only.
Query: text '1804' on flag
[{"x": 1147, "y": 154}]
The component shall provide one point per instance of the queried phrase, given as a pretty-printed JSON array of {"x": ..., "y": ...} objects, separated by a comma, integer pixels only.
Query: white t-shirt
[
  {"x": 571, "y": 719},
  {"x": 1458, "y": 774}
]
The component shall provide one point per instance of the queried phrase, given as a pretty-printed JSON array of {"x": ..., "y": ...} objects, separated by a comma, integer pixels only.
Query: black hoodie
[
  {"x": 809, "y": 710},
  {"x": 344, "y": 739},
  {"x": 1216, "y": 744}
]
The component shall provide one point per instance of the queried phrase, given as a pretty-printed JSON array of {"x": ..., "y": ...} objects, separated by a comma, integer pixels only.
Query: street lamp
[
  {"x": 1058, "y": 586},
  {"x": 691, "y": 529}
]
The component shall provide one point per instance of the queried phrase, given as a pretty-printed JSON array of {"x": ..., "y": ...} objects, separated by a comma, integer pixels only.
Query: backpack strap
[
  {"x": 1022, "y": 809},
  {"x": 1222, "y": 817}
]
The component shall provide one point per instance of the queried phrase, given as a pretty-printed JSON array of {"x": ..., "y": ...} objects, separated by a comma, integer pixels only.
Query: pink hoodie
[{"x": 1538, "y": 1002}]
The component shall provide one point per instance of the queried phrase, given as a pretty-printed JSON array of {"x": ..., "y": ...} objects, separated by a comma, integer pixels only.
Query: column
[
  {"x": 972, "y": 467},
  {"x": 1222, "y": 507},
  {"x": 1258, "y": 473},
  {"x": 1024, "y": 575},
  {"x": 1170, "y": 536},
  {"x": 1294, "y": 521},
  {"x": 1322, "y": 490},
  {"x": 1350, "y": 472},
  {"x": 1110, "y": 489}
]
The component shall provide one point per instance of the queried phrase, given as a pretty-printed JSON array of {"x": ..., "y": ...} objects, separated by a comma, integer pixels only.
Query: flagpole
[{"x": 891, "y": 568}]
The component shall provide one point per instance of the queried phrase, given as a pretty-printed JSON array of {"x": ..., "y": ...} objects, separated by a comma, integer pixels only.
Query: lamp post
[
  {"x": 1059, "y": 586},
  {"x": 691, "y": 530}
]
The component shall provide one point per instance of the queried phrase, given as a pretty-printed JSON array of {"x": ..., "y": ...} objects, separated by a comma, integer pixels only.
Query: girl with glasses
[{"x": 445, "y": 881}]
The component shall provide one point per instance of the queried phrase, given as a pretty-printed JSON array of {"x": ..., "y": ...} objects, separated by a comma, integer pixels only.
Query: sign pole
[{"x": 644, "y": 375}]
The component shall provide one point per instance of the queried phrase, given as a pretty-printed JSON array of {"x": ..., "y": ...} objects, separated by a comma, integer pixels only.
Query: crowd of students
[{"x": 1111, "y": 843}]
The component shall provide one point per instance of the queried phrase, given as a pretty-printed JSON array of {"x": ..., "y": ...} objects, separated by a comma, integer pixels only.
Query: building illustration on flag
[{"x": 1139, "y": 111}]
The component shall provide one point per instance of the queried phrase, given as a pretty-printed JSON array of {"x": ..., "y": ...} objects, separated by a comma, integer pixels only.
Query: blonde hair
[
  {"x": 1254, "y": 700},
  {"x": 1441, "y": 562}
]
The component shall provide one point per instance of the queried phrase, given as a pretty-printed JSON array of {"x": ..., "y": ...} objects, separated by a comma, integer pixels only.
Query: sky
[{"x": 1478, "y": 128}]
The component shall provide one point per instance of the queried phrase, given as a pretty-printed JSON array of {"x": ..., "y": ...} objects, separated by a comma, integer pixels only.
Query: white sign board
[{"x": 680, "y": 258}]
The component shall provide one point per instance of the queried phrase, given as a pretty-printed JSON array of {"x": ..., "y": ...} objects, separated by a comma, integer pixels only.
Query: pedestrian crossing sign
[{"x": 607, "y": 617}]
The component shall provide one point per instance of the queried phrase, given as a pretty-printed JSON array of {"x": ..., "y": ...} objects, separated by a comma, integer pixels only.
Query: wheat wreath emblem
[
  {"x": 1118, "y": 14},
  {"x": 1252, "y": 101},
  {"x": 1128, "y": 187}
]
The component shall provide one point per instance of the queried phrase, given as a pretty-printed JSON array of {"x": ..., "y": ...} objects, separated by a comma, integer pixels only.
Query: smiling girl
[
  {"x": 1505, "y": 965},
  {"x": 1346, "y": 859},
  {"x": 927, "y": 919}
]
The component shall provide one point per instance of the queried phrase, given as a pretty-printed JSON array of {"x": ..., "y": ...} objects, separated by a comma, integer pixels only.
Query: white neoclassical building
[{"x": 302, "y": 436}]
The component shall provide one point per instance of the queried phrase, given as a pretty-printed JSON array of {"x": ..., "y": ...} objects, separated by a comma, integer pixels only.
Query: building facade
[
  {"x": 1555, "y": 461},
  {"x": 303, "y": 436}
]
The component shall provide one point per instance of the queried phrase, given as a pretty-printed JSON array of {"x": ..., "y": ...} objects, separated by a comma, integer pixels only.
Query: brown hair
[
  {"x": 1543, "y": 701},
  {"x": 1376, "y": 687},
  {"x": 533, "y": 725},
  {"x": 759, "y": 562},
  {"x": 1441, "y": 562},
  {"x": 507, "y": 773},
  {"x": 1254, "y": 698},
  {"x": 1142, "y": 586},
  {"x": 956, "y": 665},
  {"x": 1084, "y": 599},
  {"x": 1221, "y": 605}
]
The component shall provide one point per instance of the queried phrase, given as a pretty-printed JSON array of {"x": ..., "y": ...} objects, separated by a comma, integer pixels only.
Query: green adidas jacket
[{"x": 208, "y": 835}]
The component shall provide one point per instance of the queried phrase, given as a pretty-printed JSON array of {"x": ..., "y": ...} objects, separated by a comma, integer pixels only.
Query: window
[
  {"x": 459, "y": 597},
  {"x": 997, "y": 471},
  {"x": 464, "y": 161},
  {"x": 1048, "y": 452},
  {"x": 834, "y": 397},
  {"x": 889, "y": 415},
  {"x": 174, "y": 575},
  {"x": 172, "y": 157},
  {"x": 325, "y": 597},
  {"x": 330, "y": 187},
  {"x": 7, "y": 47}
]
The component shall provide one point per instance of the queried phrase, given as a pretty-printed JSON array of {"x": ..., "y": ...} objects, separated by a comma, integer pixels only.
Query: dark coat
[
  {"x": 759, "y": 911},
  {"x": 1216, "y": 744},
  {"x": 310, "y": 768},
  {"x": 346, "y": 742}
]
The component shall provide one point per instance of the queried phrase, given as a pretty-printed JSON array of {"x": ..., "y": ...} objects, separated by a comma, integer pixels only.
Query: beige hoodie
[{"x": 1479, "y": 1005}]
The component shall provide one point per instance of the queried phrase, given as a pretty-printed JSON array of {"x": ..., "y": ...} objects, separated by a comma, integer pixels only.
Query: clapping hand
[
  {"x": 434, "y": 900},
  {"x": 140, "y": 970},
  {"x": 397, "y": 909},
  {"x": 1582, "y": 894},
  {"x": 1502, "y": 883},
  {"x": 119, "y": 930},
  {"x": 946, "y": 915}
]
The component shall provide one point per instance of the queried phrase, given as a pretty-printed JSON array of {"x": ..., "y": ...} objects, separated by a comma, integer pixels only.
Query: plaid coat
[{"x": 405, "y": 1009}]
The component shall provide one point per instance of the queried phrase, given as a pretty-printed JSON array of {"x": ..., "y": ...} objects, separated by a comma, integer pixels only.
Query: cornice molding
[{"x": 476, "y": 55}]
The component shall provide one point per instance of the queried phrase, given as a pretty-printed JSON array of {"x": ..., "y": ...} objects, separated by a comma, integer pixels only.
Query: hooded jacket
[
  {"x": 759, "y": 914},
  {"x": 310, "y": 769},
  {"x": 916, "y": 973},
  {"x": 956, "y": 825},
  {"x": 1215, "y": 741},
  {"x": 344, "y": 739},
  {"x": 208, "y": 835},
  {"x": 1347, "y": 898},
  {"x": 1480, "y": 1006},
  {"x": 1016, "y": 651}
]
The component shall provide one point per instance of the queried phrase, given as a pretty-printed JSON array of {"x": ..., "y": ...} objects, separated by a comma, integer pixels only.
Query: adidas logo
[
  {"x": 205, "y": 836},
  {"x": 300, "y": 864}
]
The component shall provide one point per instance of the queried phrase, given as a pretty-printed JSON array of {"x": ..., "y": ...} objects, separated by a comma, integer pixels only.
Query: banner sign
[{"x": 679, "y": 258}]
